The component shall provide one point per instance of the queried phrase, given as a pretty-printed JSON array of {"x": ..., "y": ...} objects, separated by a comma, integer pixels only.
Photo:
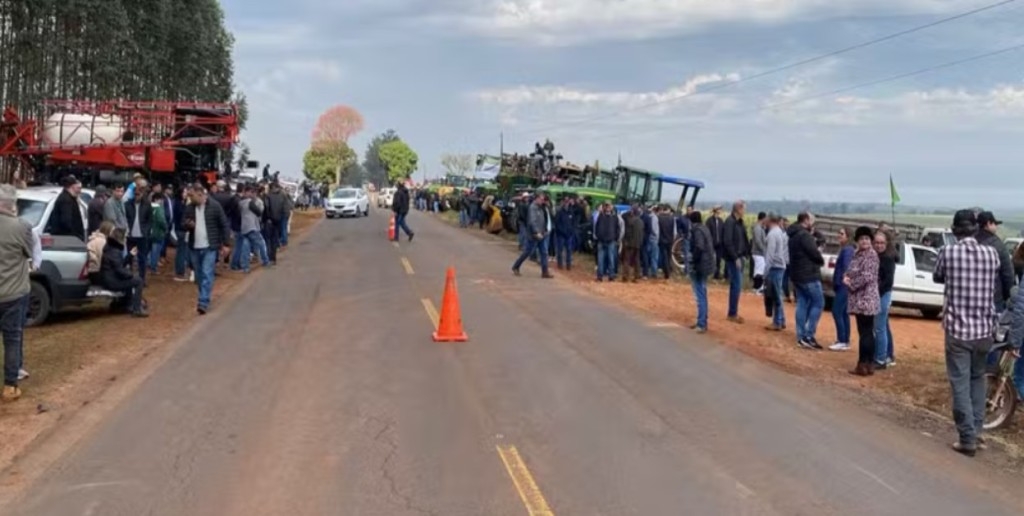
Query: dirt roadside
[
  {"x": 74, "y": 358},
  {"x": 918, "y": 381}
]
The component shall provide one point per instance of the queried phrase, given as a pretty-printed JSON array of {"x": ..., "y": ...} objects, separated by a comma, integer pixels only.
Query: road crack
[{"x": 386, "y": 437}]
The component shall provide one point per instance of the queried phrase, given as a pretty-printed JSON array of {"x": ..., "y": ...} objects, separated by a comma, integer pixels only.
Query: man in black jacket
[
  {"x": 139, "y": 213},
  {"x": 987, "y": 227},
  {"x": 607, "y": 230},
  {"x": 95, "y": 210},
  {"x": 523, "y": 220},
  {"x": 67, "y": 213},
  {"x": 400, "y": 206},
  {"x": 208, "y": 231},
  {"x": 805, "y": 263},
  {"x": 735, "y": 247},
  {"x": 714, "y": 225},
  {"x": 273, "y": 217}
]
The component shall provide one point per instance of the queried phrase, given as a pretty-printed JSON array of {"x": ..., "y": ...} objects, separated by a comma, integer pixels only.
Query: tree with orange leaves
[{"x": 335, "y": 125}]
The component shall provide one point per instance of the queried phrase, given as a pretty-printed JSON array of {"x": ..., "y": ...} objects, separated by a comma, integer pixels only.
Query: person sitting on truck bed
[{"x": 115, "y": 275}]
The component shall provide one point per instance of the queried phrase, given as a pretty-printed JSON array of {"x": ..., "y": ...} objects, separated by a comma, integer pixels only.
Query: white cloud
[
  {"x": 570, "y": 21},
  {"x": 541, "y": 95}
]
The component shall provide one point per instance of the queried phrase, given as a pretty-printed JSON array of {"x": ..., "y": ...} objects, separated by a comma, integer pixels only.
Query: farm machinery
[{"x": 109, "y": 141}]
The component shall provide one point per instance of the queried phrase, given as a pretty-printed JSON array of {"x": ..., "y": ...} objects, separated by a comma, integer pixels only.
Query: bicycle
[{"x": 1002, "y": 397}]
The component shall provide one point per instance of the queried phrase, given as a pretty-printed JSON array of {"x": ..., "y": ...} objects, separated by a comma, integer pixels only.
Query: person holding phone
[{"x": 208, "y": 229}]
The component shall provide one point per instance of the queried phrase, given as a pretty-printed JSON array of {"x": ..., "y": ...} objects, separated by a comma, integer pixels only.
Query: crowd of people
[{"x": 128, "y": 230}]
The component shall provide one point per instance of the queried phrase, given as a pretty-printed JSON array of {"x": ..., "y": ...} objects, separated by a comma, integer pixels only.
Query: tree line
[{"x": 176, "y": 50}]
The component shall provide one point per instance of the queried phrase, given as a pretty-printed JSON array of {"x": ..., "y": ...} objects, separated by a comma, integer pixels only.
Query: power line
[
  {"x": 780, "y": 69},
  {"x": 844, "y": 89}
]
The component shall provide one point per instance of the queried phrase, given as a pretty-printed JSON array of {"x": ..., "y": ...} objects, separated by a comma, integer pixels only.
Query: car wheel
[
  {"x": 38, "y": 305},
  {"x": 328, "y": 215}
]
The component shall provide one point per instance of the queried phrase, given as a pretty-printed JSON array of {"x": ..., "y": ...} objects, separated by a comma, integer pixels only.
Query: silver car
[{"x": 62, "y": 281}]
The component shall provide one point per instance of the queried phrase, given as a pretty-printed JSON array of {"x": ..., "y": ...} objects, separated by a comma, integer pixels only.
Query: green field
[{"x": 1013, "y": 223}]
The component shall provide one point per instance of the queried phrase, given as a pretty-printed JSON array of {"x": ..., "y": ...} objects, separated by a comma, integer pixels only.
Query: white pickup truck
[{"x": 913, "y": 286}]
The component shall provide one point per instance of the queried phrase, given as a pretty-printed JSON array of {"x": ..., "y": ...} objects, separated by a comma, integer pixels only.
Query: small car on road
[{"x": 346, "y": 202}]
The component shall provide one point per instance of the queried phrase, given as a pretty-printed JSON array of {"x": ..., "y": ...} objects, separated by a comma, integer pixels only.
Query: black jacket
[
  {"x": 666, "y": 229},
  {"x": 886, "y": 273},
  {"x": 400, "y": 201},
  {"x": 217, "y": 227},
  {"x": 67, "y": 217},
  {"x": 1004, "y": 281},
  {"x": 714, "y": 225},
  {"x": 606, "y": 229},
  {"x": 145, "y": 214},
  {"x": 96, "y": 213},
  {"x": 114, "y": 275},
  {"x": 702, "y": 250},
  {"x": 805, "y": 260},
  {"x": 735, "y": 243},
  {"x": 274, "y": 210},
  {"x": 229, "y": 202}
]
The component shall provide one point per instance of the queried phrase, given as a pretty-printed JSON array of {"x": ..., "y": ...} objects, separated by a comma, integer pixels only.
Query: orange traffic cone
[
  {"x": 391, "y": 228},
  {"x": 449, "y": 329}
]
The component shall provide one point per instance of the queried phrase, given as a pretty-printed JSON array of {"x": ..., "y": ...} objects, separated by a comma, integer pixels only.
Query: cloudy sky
[{"x": 649, "y": 79}]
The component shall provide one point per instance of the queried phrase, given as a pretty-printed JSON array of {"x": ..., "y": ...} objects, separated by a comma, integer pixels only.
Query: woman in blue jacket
[{"x": 840, "y": 303}]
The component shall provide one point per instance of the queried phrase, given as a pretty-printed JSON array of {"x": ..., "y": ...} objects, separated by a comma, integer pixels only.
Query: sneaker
[
  {"x": 10, "y": 393},
  {"x": 736, "y": 319},
  {"x": 839, "y": 346},
  {"x": 773, "y": 327},
  {"x": 805, "y": 343},
  {"x": 701, "y": 331},
  {"x": 22, "y": 374},
  {"x": 411, "y": 235},
  {"x": 515, "y": 272},
  {"x": 961, "y": 449},
  {"x": 192, "y": 277},
  {"x": 815, "y": 345},
  {"x": 180, "y": 279},
  {"x": 201, "y": 310},
  {"x": 141, "y": 314},
  {"x": 890, "y": 363}
]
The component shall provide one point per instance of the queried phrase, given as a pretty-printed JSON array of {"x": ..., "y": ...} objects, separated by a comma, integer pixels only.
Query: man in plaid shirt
[{"x": 968, "y": 270}]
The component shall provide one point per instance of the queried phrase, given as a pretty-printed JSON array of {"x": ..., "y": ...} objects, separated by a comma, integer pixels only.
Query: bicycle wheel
[
  {"x": 679, "y": 254},
  {"x": 1000, "y": 402}
]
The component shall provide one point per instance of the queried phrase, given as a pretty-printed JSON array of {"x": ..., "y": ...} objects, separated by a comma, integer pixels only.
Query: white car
[
  {"x": 385, "y": 197},
  {"x": 348, "y": 202}
]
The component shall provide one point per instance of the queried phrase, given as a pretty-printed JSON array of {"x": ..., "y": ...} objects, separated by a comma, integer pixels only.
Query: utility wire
[
  {"x": 780, "y": 69},
  {"x": 844, "y": 89}
]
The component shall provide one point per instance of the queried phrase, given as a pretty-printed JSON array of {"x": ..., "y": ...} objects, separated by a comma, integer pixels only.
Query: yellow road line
[
  {"x": 523, "y": 480},
  {"x": 428, "y": 305},
  {"x": 407, "y": 266}
]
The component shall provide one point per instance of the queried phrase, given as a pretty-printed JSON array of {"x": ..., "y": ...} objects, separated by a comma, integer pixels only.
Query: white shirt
[
  {"x": 202, "y": 240},
  {"x": 136, "y": 230},
  {"x": 37, "y": 250}
]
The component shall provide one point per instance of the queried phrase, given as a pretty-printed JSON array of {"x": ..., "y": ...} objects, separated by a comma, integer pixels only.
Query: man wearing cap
[
  {"x": 987, "y": 228},
  {"x": 969, "y": 271}
]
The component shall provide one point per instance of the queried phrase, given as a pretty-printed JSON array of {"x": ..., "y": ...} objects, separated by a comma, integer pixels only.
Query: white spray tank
[{"x": 77, "y": 129}]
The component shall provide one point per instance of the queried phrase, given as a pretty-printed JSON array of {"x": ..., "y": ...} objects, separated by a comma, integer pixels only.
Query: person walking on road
[
  {"x": 702, "y": 251},
  {"x": 537, "y": 225},
  {"x": 400, "y": 206},
  {"x": 208, "y": 228},
  {"x": 969, "y": 271},
  {"x": 840, "y": 303},
  {"x": 67, "y": 213},
  {"x": 607, "y": 228},
  {"x": 862, "y": 281},
  {"x": 565, "y": 233},
  {"x": 805, "y": 262},
  {"x": 273, "y": 217},
  {"x": 16, "y": 243},
  {"x": 736, "y": 247},
  {"x": 776, "y": 257},
  {"x": 250, "y": 238}
]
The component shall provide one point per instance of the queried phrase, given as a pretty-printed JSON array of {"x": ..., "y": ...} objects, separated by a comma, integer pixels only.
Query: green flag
[{"x": 892, "y": 191}]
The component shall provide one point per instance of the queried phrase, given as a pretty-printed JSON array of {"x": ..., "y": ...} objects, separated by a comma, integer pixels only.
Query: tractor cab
[
  {"x": 689, "y": 190},
  {"x": 636, "y": 186}
]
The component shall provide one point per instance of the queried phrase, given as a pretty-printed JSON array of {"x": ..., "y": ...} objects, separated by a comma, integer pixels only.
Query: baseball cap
[
  {"x": 965, "y": 219},
  {"x": 986, "y": 217}
]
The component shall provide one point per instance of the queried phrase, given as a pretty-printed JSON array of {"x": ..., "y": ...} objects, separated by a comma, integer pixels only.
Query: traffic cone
[
  {"x": 391, "y": 228},
  {"x": 449, "y": 329}
]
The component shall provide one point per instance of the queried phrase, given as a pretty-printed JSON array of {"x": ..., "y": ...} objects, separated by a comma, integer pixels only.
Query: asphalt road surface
[{"x": 320, "y": 392}]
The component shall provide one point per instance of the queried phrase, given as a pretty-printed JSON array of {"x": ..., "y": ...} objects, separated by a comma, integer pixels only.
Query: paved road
[{"x": 320, "y": 392}]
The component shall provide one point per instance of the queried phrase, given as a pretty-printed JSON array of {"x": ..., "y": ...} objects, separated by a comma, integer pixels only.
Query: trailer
[{"x": 108, "y": 141}]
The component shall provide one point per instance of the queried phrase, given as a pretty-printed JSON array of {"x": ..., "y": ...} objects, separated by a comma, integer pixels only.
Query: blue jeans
[
  {"x": 810, "y": 301},
  {"x": 775, "y": 276},
  {"x": 652, "y": 258},
  {"x": 1018, "y": 376},
  {"x": 182, "y": 256},
  {"x": 156, "y": 250},
  {"x": 700, "y": 294},
  {"x": 236, "y": 253},
  {"x": 249, "y": 242},
  {"x": 141, "y": 246},
  {"x": 735, "y": 273},
  {"x": 882, "y": 331},
  {"x": 401, "y": 225},
  {"x": 284, "y": 228},
  {"x": 607, "y": 253},
  {"x": 524, "y": 235},
  {"x": 463, "y": 218},
  {"x": 840, "y": 312},
  {"x": 534, "y": 245},
  {"x": 965, "y": 366},
  {"x": 563, "y": 250},
  {"x": 204, "y": 261},
  {"x": 12, "y": 325}
]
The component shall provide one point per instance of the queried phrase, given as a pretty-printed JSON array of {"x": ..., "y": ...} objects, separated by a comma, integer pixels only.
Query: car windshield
[
  {"x": 31, "y": 211},
  {"x": 345, "y": 194}
]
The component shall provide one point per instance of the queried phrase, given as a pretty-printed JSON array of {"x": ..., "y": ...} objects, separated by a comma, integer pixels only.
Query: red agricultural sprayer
[{"x": 104, "y": 141}]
